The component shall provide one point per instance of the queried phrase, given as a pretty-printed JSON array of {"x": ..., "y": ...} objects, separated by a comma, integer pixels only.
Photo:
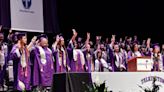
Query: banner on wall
[
  {"x": 130, "y": 81},
  {"x": 27, "y": 15}
]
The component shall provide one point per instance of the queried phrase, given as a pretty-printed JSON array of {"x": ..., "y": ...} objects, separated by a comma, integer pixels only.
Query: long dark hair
[{"x": 133, "y": 46}]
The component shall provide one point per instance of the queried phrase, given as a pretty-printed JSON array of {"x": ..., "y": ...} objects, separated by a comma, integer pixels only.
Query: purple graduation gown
[
  {"x": 123, "y": 62},
  {"x": 43, "y": 78},
  {"x": 88, "y": 62},
  {"x": 111, "y": 56},
  {"x": 74, "y": 64},
  {"x": 60, "y": 68},
  {"x": 20, "y": 73}
]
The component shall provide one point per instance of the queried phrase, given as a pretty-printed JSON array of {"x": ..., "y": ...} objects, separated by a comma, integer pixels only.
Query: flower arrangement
[{"x": 94, "y": 87}]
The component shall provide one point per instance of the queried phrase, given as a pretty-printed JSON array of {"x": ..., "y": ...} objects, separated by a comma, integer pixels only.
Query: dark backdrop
[{"x": 105, "y": 17}]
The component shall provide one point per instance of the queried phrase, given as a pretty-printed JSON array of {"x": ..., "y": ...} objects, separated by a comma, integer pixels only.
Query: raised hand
[
  {"x": 37, "y": 42},
  {"x": 74, "y": 32},
  {"x": 148, "y": 42},
  {"x": 88, "y": 35},
  {"x": 10, "y": 31},
  {"x": 34, "y": 39},
  {"x": 74, "y": 35},
  {"x": 113, "y": 36},
  {"x": 57, "y": 38}
]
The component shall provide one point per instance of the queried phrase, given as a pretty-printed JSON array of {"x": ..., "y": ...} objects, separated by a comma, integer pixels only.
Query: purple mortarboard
[
  {"x": 155, "y": 45},
  {"x": 20, "y": 35}
]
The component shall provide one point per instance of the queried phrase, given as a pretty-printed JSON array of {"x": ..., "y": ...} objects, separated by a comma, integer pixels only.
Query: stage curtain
[
  {"x": 5, "y": 13},
  {"x": 50, "y": 16}
]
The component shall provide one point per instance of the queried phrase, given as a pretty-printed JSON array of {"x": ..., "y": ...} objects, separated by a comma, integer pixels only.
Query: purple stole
[
  {"x": 24, "y": 70},
  {"x": 60, "y": 68}
]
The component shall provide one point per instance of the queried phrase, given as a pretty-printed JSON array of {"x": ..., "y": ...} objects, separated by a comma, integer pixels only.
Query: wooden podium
[{"x": 140, "y": 64}]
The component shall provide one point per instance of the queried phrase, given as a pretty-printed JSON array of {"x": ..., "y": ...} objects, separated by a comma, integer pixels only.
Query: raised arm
[
  {"x": 113, "y": 40},
  {"x": 55, "y": 43},
  {"x": 88, "y": 38},
  {"x": 31, "y": 44},
  {"x": 148, "y": 42},
  {"x": 74, "y": 35}
]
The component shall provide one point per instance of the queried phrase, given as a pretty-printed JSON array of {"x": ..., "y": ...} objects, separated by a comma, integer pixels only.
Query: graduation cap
[
  {"x": 155, "y": 45},
  {"x": 20, "y": 35},
  {"x": 61, "y": 36},
  {"x": 42, "y": 36}
]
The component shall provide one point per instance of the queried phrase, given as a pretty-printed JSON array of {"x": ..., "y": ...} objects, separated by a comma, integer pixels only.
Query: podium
[
  {"x": 70, "y": 82},
  {"x": 140, "y": 64}
]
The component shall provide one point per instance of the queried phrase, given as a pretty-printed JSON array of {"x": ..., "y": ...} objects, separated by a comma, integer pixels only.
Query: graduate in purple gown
[
  {"x": 110, "y": 51},
  {"x": 120, "y": 64},
  {"x": 21, "y": 64},
  {"x": 88, "y": 54},
  {"x": 124, "y": 54},
  {"x": 61, "y": 55},
  {"x": 135, "y": 50},
  {"x": 157, "y": 58},
  {"x": 100, "y": 64},
  {"x": 76, "y": 56},
  {"x": 43, "y": 65},
  {"x": 3, "y": 60}
]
